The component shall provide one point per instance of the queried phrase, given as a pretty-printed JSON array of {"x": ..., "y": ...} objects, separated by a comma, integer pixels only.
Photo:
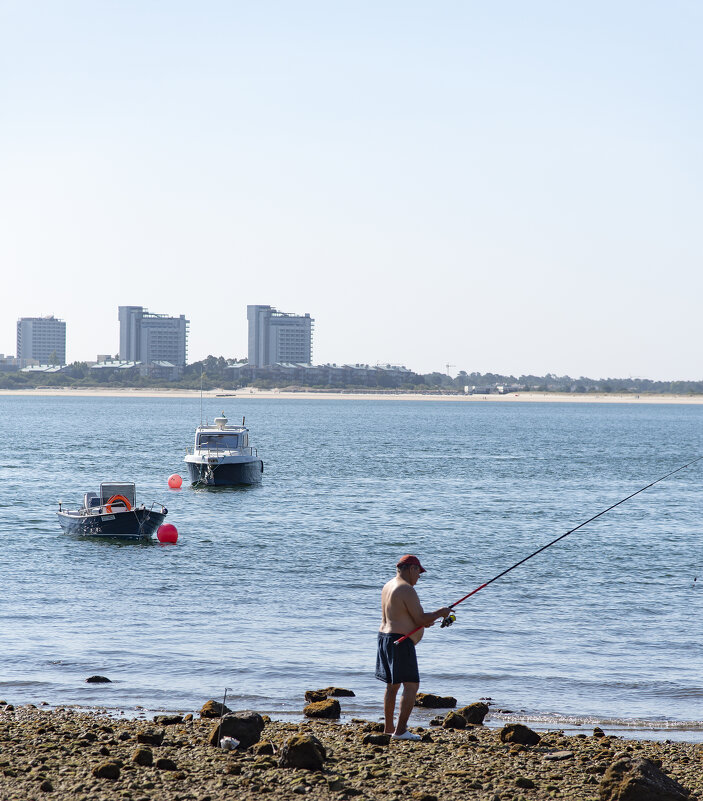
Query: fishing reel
[{"x": 448, "y": 620}]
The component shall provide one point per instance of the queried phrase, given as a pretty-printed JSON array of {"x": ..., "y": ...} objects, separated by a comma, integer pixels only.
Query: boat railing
[
  {"x": 101, "y": 510},
  {"x": 216, "y": 451}
]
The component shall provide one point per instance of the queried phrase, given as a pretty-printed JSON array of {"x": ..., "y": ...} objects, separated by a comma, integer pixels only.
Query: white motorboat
[{"x": 222, "y": 457}]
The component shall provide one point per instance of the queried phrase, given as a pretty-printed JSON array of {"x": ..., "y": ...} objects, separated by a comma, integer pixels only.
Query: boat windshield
[{"x": 221, "y": 441}]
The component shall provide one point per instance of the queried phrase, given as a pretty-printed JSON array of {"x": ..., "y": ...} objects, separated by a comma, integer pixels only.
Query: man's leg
[
  {"x": 389, "y": 707},
  {"x": 407, "y": 702}
]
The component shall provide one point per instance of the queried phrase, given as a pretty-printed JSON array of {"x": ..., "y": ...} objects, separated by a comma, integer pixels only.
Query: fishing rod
[{"x": 451, "y": 618}]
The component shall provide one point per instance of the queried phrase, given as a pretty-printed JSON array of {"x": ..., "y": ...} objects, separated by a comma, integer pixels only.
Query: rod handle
[{"x": 405, "y": 636}]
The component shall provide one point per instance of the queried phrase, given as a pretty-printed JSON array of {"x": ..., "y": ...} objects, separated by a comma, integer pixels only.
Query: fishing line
[{"x": 553, "y": 542}]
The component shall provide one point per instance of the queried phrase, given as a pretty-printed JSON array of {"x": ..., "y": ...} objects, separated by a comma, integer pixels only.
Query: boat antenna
[
  {"x": 201, "y": 395},
  {"x": 549, "y": 544}
]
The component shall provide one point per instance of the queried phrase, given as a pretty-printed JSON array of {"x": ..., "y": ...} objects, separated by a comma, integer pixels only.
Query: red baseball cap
[{"x": 409, "y": 559}]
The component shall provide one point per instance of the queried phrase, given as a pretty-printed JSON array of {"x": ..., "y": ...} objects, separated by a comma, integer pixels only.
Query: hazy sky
[{"x": 501, "y": 186}]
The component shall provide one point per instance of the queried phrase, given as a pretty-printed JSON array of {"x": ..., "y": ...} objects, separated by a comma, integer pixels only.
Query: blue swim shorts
[{"x": 396, "y": 663}]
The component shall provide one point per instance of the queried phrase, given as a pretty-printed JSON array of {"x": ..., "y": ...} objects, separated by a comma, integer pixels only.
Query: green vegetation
[{"x": 216, "y": 372}]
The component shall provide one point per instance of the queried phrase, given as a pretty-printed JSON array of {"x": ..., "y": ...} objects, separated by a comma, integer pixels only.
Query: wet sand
[{"x": 53, "y": 753}]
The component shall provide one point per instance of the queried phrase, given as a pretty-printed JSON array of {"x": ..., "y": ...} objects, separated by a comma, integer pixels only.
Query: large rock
[
  {"x": 143, "y": 756},
  {"x": 430, "y": 701},
  {"x": 517, "y": 733},
  {"x": 107, "y": 770},
  {"x": 639, "y": 780},
  {"x": 98, "y": 680},
  {"x": 474, "y": 713},
  {"x": 314, "y": 696},
  {"x": 328, "y": 708},
  {"x": 245, "y": 728},
  {"x": 454, "y": 720},
  {"x": 303, "y": 751},
  {"x": 559, "y": 756},
  {"x": 376, "y": 739},
  {"x": 150, "y": 737},
  {"x": 168, "y": 720},
  {"x": 213, "y": 709}
]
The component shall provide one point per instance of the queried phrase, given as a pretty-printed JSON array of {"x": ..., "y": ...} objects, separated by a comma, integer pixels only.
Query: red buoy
[
  {"x": 175, "y": 481},
  {"x": 167, "y": 533}
]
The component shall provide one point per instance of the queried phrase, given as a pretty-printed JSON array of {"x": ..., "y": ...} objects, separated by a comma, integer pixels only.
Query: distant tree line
[{"x": 216, "y": 372}]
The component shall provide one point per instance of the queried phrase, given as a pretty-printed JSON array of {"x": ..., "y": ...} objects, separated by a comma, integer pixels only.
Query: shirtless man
[{"x": 397, "y": 664}]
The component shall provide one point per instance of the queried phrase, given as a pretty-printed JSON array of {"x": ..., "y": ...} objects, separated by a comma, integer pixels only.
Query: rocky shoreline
[{"x": 68, "y": 754}]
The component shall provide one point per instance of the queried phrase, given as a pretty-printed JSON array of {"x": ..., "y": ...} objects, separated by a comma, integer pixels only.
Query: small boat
[
  {"x": 113, "y": 513},
  {"x": 222, "y": 457}
]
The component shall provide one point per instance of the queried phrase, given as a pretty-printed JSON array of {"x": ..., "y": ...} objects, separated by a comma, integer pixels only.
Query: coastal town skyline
[
  {"x": 503, "y": 188},
  {"x": 169, "y": 340}
]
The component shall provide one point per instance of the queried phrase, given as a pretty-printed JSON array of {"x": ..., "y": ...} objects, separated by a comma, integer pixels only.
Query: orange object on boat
[{"x": 114, "y": 499}]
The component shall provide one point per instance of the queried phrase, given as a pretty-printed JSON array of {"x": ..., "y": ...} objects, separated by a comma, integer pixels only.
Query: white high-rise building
[
  {"x": 150, "y": 338},
  {"x": 277, "y": 337},
  {"x": 42, "y": 340}
]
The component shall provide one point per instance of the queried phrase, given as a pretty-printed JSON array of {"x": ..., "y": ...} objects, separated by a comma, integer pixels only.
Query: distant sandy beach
[{"x": 519, "y": 397}]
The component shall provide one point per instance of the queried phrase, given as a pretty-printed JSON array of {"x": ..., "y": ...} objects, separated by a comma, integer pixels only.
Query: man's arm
[{"x": 417, "y": 613}]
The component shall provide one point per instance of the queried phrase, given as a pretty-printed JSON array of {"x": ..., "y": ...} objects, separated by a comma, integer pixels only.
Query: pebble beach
[{"x": 65, "y": 753}]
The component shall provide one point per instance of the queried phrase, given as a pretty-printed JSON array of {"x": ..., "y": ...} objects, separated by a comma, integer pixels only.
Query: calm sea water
[{"x": 273, "y": 590}]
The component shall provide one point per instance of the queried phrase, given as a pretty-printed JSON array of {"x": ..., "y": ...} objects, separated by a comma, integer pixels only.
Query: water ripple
[{"x": 274, "y": 590}]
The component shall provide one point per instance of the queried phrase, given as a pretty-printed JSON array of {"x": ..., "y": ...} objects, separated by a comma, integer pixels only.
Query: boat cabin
[
  {"x": 221, "y": 437},
  {"x": 118, "y": 492}
]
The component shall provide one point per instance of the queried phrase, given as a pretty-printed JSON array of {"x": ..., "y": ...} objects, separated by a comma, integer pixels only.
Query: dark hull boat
[
  {"x": 222, "y": 457},
  {"x": 113, "y": 514},
  {"x": 137, "y": 524},
  {"x": 225, "y": 474}
]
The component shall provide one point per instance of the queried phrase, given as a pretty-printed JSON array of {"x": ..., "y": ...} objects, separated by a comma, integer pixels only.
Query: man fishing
[{"x": 402, "y": 614}]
